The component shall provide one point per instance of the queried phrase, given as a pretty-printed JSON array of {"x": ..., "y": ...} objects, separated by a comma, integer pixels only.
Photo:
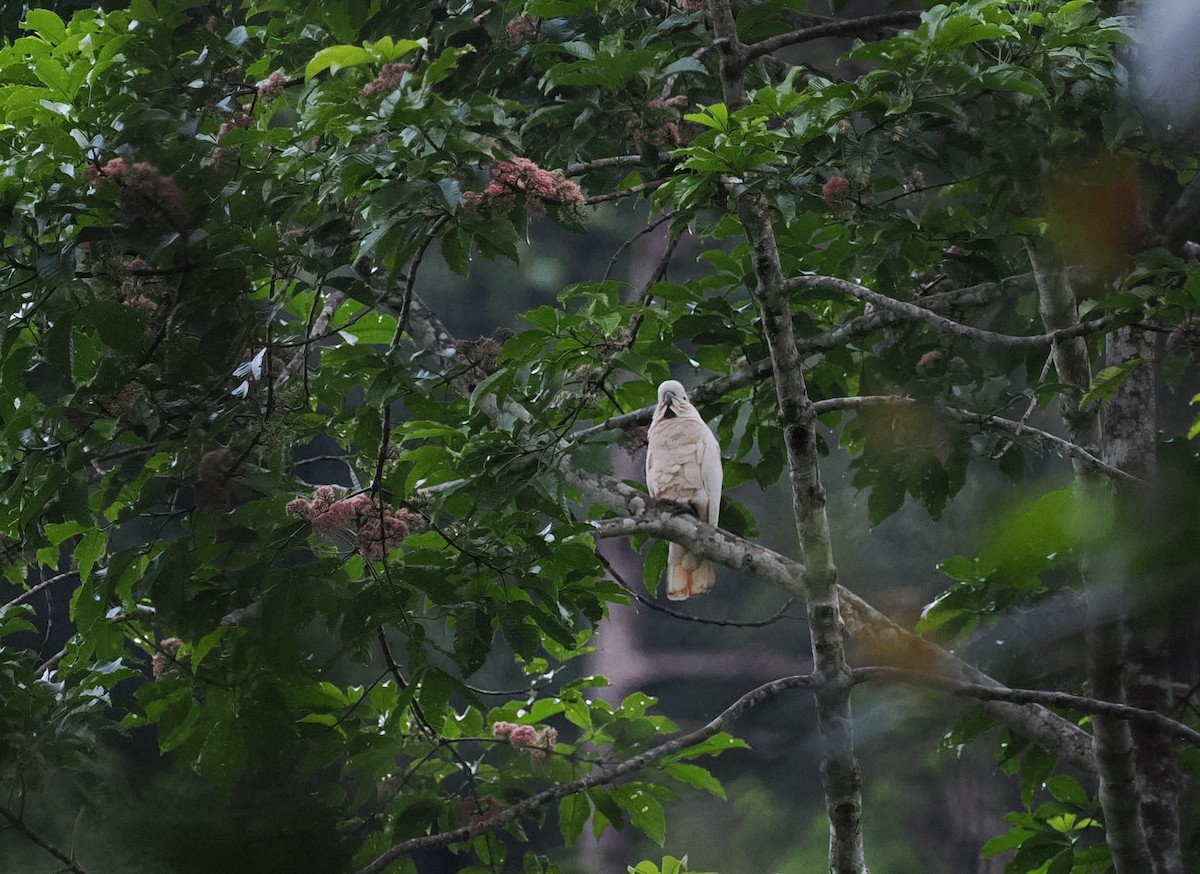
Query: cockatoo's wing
[{"x": 683, "y": 464}]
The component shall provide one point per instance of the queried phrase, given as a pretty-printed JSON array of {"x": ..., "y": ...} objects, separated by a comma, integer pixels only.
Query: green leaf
[
  {"x": 654, "y": 565},
  {"x": 1067, "y": 789},
  {"x": 645, "y": 811},
  {"x": 696, "y": 776},
  {"x": 335, "y": 58},
  {"x": 45, "y": 24},
  {"x": 573, "y": 813},
  {"x": 1109, "y": 380}
]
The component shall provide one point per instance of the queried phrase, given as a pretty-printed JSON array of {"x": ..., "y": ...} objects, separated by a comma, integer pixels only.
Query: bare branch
[
  {"x": 33, "y": 590},
  {"x": 602, "y": 776},
  {"x": 18, "y": 822},
  {"x": 1065, "y": 700},
  {"x": 851, "y": 27},
  {"x": 940, "y": 323},
  {"x": 582, "y": 167},
  {"x": 626, "y": 192},
  {"x": 1072, "y": 450}
]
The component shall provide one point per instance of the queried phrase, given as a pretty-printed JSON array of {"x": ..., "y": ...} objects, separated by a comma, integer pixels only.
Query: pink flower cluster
[
  {"x": 272, "y": 87},
  {"x": 537, "y": 743},
  {"x": 522, "y": 177},
  {"x": 377, "y": 529},
  {"x": 388, "y": 79},
  {"x": 146, "y": 195},
  {"x": 239, "y": 120}
]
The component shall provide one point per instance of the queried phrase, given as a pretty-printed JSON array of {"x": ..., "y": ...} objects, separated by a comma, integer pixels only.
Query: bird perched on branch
[{"x": 683, "y": 466}]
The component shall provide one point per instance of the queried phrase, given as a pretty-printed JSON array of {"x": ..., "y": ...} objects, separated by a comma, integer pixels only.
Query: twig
[
  {"x": 726, "y": 623},
  {"x": 617, "y": 195},
  {"x": 599, "y": 777},
  {"x": 44, "y": 584},
  {"x": 581, "y": 167},
  {"x": 17, "y": 822},
  {"x": 1066, "y": 446}
]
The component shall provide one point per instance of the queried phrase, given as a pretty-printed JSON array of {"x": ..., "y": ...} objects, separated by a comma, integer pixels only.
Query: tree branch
[
  {"x": 33, "y": 590},
  {"x": 850, "y": 27},
  {"x": 940, "y": 323},
  {"x": 600, "y": 777},
  {"x": 17, "y": 822},
  {"x": 1065, "y": 700}
]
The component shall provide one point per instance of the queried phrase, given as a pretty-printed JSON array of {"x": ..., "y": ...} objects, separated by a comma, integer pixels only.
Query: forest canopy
[{"x": 270, "y": 518}]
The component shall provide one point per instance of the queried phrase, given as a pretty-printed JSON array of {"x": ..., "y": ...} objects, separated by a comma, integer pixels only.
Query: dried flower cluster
[
  {"x": 658, "y": 124},
  {"x": 388, "y": 79},
  {"x": 377, "y": 529},
  {"x": 139, "y": 289},
  {"x": 472, "y": 810},
  {"x": 836, "y": 191},
  {"x": 481, "y": 354},
  {"x": 537, "y": 743},
  {"x": 164, "y": 656},
  {"x": 522, "y": 178},
  {"x": 146, "y": 195},
  {"x": 520, "y": 28},
  {"x": 122, "y": 402}
]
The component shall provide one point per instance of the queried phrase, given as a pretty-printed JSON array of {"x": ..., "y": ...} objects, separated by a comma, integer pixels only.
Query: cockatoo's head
[{"x": 672, "y": 401}]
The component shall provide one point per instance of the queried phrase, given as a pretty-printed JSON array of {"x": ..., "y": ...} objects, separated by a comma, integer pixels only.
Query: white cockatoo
[{"x": 683, "y": 464}]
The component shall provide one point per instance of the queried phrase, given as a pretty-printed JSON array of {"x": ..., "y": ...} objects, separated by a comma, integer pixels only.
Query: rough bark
[
  {"x": 841, "y": 776},
  {"x": 1105, "y": 631},
  {"x": 1130, "y": 427}
]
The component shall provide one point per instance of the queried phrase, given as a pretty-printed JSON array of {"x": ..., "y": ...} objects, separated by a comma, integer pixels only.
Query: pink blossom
[
  {"x": 381, "y": 531},
  {"x": 237, "y": 121},
  {"x": 377, "y": 529},
  {"x": 272, "y": 87},
  {"x": 522, "y": 736},
  {"x": 388, "y": 79},
  {"x": 503, "y": 729}
]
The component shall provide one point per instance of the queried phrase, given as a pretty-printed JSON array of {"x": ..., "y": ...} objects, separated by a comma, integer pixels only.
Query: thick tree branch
[
  {"x": 841, "y": 777},
  {"x": 600, "y": 777}
]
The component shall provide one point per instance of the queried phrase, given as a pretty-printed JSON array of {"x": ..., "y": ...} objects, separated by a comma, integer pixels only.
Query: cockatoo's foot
[{"x": 681, "y": 508}]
